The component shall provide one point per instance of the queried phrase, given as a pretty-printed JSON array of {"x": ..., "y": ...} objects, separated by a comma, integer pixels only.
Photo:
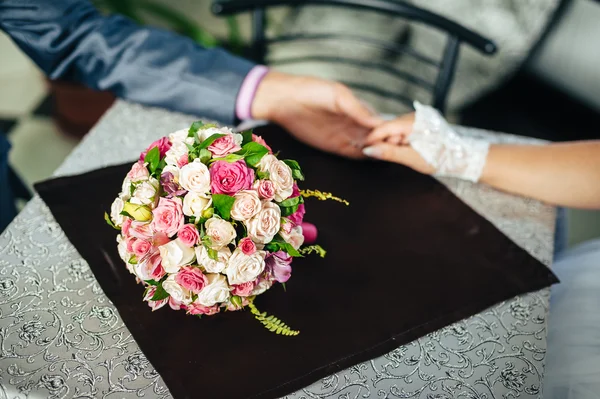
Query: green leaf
[
  {"x": 133, "y": 260},
  {"x": 313, "y": 249},
  {"x": 291, "y": 202},
  {"x": 210, "y": 140},
  {"x": 205, "y": 155},
  {"x": 212, "y": 253},
  {"x": 194, "y": 128},
  {"x": 190, "y": 147},
  {"x": 151, "y": 282},
  {"x": 110, "y": 222},
  {"x": 262, "y": 175},
  {"x": 291, "y": 250},
  {"x": 295, "y": 167},
  {"x": 159, "y": 294},
  {"x": 272, "y": 323},
  {"x": 223, "y": 204},
  {"x": 246, "y": 136},
  {"x": 229, "y": 158},
  {"x": 279, "y": 245},
  {"x": 290, "y": 210},
  {"x": 253, "y": 152},
  {"x": 153, "y": 159}
]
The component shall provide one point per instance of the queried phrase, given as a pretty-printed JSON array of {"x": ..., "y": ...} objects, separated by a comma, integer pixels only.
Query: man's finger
[
  {"x": 352, "y": 107},
  {"x": 401, "y": 126}
]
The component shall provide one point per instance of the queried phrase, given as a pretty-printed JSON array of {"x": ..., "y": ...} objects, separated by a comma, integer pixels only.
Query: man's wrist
[{"x": 247, "y": 93}]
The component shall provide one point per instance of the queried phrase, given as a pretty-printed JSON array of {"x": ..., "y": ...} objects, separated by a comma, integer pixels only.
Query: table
[{"x": 60, "y": 337}]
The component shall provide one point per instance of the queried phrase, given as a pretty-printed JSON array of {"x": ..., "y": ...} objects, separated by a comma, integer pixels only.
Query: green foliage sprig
[{"x": 272, "y": 323}]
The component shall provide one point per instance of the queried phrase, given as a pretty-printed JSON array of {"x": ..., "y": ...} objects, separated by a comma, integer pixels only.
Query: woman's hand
[{"x": 389, "y": 142}]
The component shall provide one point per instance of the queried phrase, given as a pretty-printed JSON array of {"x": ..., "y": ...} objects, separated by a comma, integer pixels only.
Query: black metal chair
[{"x": 457, "y": 34}]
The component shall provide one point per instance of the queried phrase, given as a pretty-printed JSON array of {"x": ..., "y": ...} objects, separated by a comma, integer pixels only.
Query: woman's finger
[{"x": 404, "y": 155}]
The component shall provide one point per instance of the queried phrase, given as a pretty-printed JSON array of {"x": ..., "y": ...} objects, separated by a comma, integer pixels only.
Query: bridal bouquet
[{"x": 209, "y": 219}]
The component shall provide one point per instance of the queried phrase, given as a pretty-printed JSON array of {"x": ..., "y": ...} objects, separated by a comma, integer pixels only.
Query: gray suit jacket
[{"x": 70, "y": 40}]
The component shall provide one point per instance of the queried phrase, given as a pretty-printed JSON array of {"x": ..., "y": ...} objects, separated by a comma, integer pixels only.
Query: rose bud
[{"x": 138, "y": 212}]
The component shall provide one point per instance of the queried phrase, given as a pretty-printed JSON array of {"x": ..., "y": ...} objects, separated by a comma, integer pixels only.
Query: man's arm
[{"x": 70, "y": 40}]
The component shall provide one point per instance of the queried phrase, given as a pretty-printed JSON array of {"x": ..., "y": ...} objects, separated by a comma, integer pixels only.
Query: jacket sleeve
[{"x": 71, "y": 40}]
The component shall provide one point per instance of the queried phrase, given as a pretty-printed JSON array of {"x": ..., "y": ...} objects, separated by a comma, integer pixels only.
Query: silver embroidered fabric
[
  {"x": 441, "y": 147},
  {"x": 60, "y": 336}
]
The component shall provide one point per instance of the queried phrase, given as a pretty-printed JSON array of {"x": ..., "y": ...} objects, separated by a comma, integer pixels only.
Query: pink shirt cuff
[{"x": 243, "y": 105}]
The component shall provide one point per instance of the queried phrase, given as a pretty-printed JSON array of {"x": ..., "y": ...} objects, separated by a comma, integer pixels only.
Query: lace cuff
[{"x": 450, "y": 154}]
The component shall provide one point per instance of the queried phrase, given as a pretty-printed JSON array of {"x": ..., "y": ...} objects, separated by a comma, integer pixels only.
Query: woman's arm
[{"x": 566, "y": 174}]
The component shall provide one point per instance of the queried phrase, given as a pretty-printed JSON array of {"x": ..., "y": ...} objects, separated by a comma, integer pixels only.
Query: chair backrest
[{"x": 456, "y": 33}]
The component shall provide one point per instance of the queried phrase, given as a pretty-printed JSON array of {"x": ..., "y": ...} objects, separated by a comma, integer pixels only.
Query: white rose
[
  {"x": 206, "y": 133},
  {"x": 178, "y": 146},
  {"x": 145, "y": 192},
  {"x": 174, "y": 255},
  {"x": 261, "y": 287},
  {"x": 125, "y": 189},
  {"x": 242, "y": 268},
  {"x": 176, "y": 291},
  {"x": 194, "y": 204},
  {"x": 195, "y": 177},
  {"x": 238, "y": 138},
  {"x": 265, "y": 225},
  {"x": 280, "y": 174},
  {"x": 246, "y": 205},
  {"x": 211, "y": 265},
  {"x": 295, "y": 237},
  {"x": 216, "y": 291},
  {"x": 220, "y": 232},
  {"x": 115, "y": 212},
  {"x": 178, "y": 136},
  {"x": 122, "y": 248}
]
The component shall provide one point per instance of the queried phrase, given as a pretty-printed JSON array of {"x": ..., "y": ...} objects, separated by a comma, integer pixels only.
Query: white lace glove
[{"x": 440, "y": 146}]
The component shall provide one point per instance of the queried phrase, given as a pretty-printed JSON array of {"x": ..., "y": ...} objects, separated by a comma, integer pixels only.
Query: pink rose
[
  {"x": 188, "y": 235},
  {"x": 126, "y": 225},
  {"x": 140, "y": 248},
  {"x": 261, "y": 141},
  {"x": 138, "y": 172},
  {"x": 141, "y": 230},
  {"x": 198, "y": 309},
  {"x": 184, "y": 160},
  {"x": 278, "y": 264},
  {"x": 223, "y": 146},
  {"x": 160, "y": 239},
  {"x": 247, "y": 246},
  {"x": 154, "y": 305},
  {"x": 243, "y": 289},
  {"x": 298, "y": 216},
  {"x": 229, "y": 178},
  {"x": 191, "y": 278},
  {"x": 153, "y": 267},
  {"x": 163, "y": 146},
  {"x": 265, "y": 188},
  {"x": 168, "y": 216}
]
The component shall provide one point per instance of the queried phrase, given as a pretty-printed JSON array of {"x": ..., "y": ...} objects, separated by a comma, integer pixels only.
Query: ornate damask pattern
[{"x": 60, "y": 337}]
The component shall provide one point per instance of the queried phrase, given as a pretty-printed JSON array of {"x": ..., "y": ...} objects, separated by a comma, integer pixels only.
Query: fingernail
[{"x": 372, "y": 152}]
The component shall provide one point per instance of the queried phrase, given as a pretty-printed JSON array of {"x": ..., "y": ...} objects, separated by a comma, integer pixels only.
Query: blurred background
[{"x": 544, "y": 82}]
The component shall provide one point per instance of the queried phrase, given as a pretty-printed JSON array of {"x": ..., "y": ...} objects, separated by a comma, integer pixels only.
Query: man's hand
[{"x": 323, "y": 114}]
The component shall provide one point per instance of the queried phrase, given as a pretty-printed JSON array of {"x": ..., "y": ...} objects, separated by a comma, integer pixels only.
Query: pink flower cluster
[{"x": 209, "y": 219}]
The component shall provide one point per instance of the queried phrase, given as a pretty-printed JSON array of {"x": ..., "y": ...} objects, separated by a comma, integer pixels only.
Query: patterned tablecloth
[{"x": 60, "y": 337}]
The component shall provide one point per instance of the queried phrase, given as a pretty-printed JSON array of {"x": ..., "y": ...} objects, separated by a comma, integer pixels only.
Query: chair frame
[{"x": 457, "y": 34}]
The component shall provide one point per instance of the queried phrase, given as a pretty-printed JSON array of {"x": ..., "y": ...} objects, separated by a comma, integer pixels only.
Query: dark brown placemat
[{"x": 406, "y": 258}]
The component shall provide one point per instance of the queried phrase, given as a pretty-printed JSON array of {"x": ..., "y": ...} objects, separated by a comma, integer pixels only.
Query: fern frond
[
  {"x": 321, "y": 195},
  {"x": 312, "y": 249},
  {"x": 272, "y": 323}
]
